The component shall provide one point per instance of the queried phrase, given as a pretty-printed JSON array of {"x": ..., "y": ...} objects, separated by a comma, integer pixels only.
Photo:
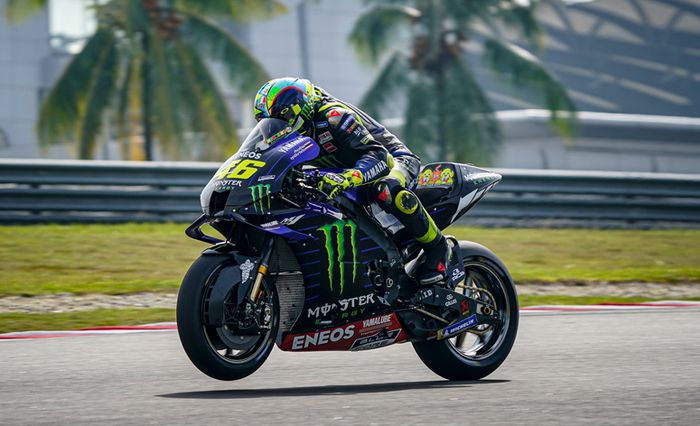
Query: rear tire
[
  {"x": 453, "y": 362},
  {"x": 203, "y": 344}
]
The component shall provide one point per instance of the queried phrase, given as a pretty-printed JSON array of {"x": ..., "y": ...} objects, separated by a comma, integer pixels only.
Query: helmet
[{"x": 290, "y": 99}]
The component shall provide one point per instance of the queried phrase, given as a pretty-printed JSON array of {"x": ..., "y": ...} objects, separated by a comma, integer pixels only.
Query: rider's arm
[{"x": 357, "y": 144}]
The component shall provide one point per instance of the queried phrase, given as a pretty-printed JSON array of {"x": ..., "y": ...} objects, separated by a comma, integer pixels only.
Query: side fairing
[
  {"x": 251, "y": 176},
  {"x": 334, "y": 263}
]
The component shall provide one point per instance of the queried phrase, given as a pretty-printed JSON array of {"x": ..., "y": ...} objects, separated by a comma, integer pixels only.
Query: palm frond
[
  {"x": 381, "y": 2},
  {"x": 19, "y": 10},
  {"x": 207, "y": 109},
  {"x": 522, "y": 69},
  {"x": 131, "y": 16},
  {"x": 124, "y": 95},
  {"x": 166, "y": 102},
  {"x": 522, "y": 19},
  {"x": 243, "y": 70},
  {"x": 101, "y": 86},
  {"x": 379, "y": 28},
  {"x": 237, "y": 10},
  {"x": 464, "y": 13},
  {"x": 59, "y": 114},
  {"x": 513, "y": 14},
  {"x": 421, "y": 116},
  {"x": 391, "y": 79},
  {"x": 472, "y": 132}
]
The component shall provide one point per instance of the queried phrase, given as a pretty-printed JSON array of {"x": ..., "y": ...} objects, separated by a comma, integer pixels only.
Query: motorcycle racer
[{"x": 373, "y": 159}]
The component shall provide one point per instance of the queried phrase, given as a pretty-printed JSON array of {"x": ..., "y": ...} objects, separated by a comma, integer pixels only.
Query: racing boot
[{"x": 437, "y": 255}]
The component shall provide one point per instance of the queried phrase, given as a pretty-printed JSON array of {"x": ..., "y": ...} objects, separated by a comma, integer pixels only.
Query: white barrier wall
[{"x": 23, "y": 47}]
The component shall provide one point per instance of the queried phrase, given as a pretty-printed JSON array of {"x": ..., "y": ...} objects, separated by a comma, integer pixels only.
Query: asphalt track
[{"x": 575, "y": 368}]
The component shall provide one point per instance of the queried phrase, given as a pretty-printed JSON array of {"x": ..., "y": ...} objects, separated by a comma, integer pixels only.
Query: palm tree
[
  {"x": 429, "y": 70},
  {"x": 144, "y": 69}
]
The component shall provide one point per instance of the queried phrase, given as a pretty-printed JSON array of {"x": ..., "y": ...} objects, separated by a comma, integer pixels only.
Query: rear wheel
[
  {"x": 221, "y": 352},
  {"x": 481, "y": 350}
]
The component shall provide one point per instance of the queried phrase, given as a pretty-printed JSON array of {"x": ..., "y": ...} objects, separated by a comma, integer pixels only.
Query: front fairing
[{"x": 258, "y": 169}]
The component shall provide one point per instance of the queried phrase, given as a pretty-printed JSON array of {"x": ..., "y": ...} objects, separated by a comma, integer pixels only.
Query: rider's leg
[{"x": 393, "y": 196}]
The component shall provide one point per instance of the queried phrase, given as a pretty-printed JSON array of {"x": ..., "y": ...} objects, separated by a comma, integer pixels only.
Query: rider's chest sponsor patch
[
  {"x": 329, "y": 147},
  {"x": 325, "y": 139}
]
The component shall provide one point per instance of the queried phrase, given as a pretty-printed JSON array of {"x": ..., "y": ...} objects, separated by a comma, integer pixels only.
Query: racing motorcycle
[{"x": 297, "y": 270}]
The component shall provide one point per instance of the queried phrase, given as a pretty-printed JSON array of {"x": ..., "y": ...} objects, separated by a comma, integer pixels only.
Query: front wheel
[
  {"x": 481, "y": 350},
  {"x": 221, "y": 352}
]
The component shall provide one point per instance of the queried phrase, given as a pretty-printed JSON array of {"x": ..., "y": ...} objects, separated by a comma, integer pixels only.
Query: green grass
[
  {"x": 81, "y": 319},
  {"x": 109, "y": 259},
  {"x": 580, "y": 255},
  {"x": 130, "y": 258}
]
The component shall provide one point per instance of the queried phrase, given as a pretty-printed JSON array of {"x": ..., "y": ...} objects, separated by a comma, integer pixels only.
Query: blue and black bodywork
[{"x": 349, "y": 264}]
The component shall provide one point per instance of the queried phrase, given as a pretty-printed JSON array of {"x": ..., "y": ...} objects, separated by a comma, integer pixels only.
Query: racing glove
[{"x": 333, "y": 184}]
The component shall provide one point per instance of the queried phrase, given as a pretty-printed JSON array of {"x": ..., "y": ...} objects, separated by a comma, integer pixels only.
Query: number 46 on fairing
[{"x": 239, "y": 169}]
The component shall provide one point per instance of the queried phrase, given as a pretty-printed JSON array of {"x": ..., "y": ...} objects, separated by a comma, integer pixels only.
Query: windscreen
[
  {"x": 265, "y": 134},
  {"x": 258, "y": 168}
]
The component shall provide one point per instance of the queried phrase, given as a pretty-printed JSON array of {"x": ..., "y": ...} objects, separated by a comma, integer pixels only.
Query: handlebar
[{"x": 309, "y": 179}]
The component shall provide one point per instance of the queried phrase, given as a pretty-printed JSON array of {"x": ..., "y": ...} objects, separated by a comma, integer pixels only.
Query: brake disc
[{"x": 237, "y": 342}]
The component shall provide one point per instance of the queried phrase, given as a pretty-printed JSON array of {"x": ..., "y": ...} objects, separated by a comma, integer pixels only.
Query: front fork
[
  {"x": 268, "y": 246},
  {"x": 250, "y": 316}
]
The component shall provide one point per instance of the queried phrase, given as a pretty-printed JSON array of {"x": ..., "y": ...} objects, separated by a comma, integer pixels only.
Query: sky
[{"x": 71, "y": 19}]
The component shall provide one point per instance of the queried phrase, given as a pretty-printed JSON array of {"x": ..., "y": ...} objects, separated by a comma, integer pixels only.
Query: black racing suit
[{"x": 351, "y": 139}]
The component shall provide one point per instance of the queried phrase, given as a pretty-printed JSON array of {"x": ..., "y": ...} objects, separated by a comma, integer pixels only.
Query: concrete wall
[
  {"x": 23, "y": 48},
  {"x": 652, "y": 145},
  {"x": 317, "y": 31}
]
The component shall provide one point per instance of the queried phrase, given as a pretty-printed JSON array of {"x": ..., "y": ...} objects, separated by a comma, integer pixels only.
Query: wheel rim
[
  {"x": 481, "y": 342},
  {"x": 238, "y": 349}
]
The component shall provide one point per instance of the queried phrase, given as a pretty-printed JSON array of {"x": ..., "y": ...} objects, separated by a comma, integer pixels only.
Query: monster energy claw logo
[
  {"x": 260, "y": 194},
  {"x": 339, "y": 228}
]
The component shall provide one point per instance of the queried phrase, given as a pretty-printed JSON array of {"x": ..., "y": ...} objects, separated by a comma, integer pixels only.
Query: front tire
[
  {"x": 470, "y": 356},
  {"x": 211, "y": 349}
]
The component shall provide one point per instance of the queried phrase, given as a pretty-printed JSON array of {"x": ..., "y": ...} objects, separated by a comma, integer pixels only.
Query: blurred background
[
  {"x": 631, "y": 68},
  {"x": 119, "y": 111},
  {"x": 114, "y": 114}
]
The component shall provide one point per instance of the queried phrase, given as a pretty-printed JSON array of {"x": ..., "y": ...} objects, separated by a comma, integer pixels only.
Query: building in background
[
  {"x": 23, "y": 51},
  {"x": 618, "y": 57},
  {"x": 33, "y": 54},
  {"x": 615, "y": 56}
]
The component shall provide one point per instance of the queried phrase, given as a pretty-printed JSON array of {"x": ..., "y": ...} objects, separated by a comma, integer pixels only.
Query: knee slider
[{"x": 406, "y": 201}]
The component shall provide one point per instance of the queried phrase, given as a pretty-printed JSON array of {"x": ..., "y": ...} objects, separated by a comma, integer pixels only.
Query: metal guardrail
[{"x": 33, "y": 191}]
